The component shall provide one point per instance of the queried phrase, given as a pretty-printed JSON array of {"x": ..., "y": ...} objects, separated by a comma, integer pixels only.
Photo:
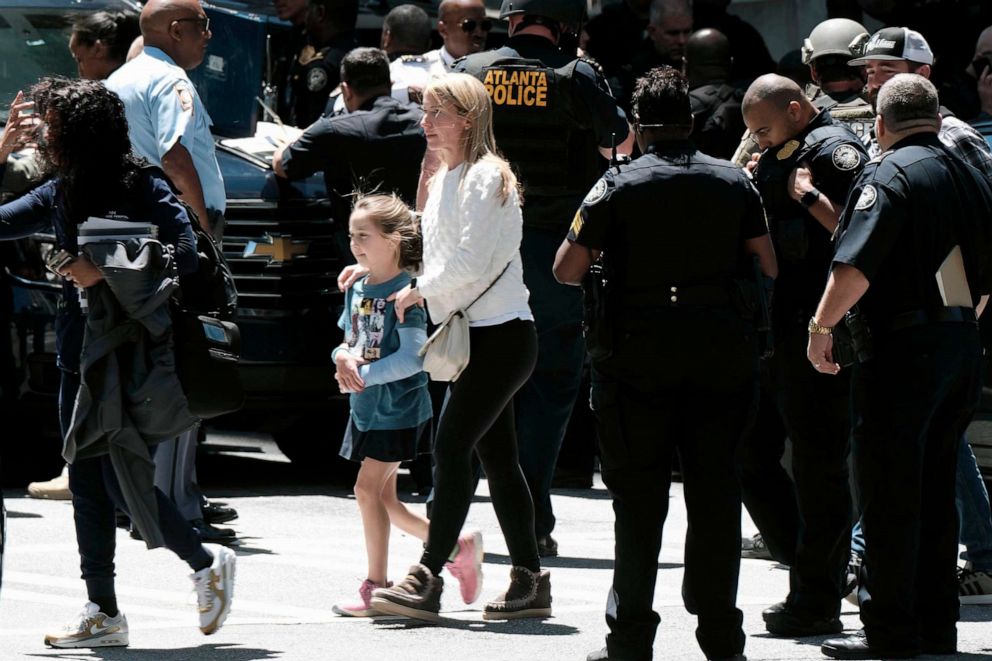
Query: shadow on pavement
[
  {"x": 976, "y": 614},
  {"x": 22, "y": 515},
  {"x": 591, "y": 494},
  {"x": 224, "y": 651},
  {"x": 568, "y": 562},
  {"x": 523, "y": 627}
]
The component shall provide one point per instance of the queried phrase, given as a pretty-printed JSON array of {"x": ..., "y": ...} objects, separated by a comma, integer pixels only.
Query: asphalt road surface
[{"x": 302, "y": 551}]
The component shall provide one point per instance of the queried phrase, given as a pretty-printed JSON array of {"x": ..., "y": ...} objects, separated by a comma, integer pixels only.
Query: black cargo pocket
[{"x": 605, "y": 402}]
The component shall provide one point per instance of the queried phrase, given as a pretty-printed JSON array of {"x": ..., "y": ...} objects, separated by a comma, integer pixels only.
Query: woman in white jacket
[{"x": 472, "y": 228}]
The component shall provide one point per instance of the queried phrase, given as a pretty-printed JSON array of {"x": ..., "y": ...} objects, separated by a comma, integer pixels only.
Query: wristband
[
  {"x": 334, "y": 354},
  {"x": 817, "y": 329},
  {"x": 810, "y": 198}
]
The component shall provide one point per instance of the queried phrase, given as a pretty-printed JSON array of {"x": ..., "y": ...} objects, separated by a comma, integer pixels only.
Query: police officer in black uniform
[
  {"x": 917, "y": 230},
  {"x": 717, "y": 125},
  {"x": 554, "y": 121},
  {"x": 330, "y": 29},
  {"x": 805, "y": 170},
  {"x": 377, "y": 145},
  {"x": 674, "y": 361}
]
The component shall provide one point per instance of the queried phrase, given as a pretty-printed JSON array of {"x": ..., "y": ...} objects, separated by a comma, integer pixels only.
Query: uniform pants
[
  {"x": 913, "y": 402},
  {"x": 175, "y": 474},
  {"x": 478, "y": 418},
  {"x": 766, "y": 488},
  {"x": 685, "y": 384},
  {"x": 544, "y": 404},
  {"x": 95, "y": 495},
  {"x": 815, "y": 409}
]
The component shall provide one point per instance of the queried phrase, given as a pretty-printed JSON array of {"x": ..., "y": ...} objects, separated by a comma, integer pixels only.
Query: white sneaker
[
  {"x": 215, "y": 588},
  {"x": 91, "y": 628}
]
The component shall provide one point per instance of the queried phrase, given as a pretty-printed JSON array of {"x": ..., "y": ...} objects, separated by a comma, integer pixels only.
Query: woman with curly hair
[
  {"x": 472, "y": 227},
  {"x": 84, "y": 142}
]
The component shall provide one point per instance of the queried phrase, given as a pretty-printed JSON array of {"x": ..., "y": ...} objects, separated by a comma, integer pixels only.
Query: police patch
[
  {"x": 845, "y": 157},
  {"x": 597, "y": 193},
  {"x": 316, "y": 79},
  {"x": 185, "y": 97},
  {"x": 867, "y": 199}
]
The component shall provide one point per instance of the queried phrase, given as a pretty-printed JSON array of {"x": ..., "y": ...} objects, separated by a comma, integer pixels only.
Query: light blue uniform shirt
[{"x": 163, "y": 108}]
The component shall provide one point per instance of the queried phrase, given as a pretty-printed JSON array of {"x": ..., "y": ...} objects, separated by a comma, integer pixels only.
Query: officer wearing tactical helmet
[
  {"x": 555, "y": 121},
  {"x": 840, "y": 87},
  {"x": 837, "y": 87}
]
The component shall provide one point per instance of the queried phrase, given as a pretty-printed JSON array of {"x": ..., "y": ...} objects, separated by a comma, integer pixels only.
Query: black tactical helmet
[
  {"x": 569, "y": 12},
  {"x": 835, "y": 36}
]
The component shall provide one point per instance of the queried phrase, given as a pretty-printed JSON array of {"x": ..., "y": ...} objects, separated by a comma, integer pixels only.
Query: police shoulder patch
[
  {"x": 316, "y": 79},
  {"x": 845, "y": 157},
  {"x": 185, "y": 97},
  {"x": 867, "y": 198},
  {"x": 596, "y": 194}
]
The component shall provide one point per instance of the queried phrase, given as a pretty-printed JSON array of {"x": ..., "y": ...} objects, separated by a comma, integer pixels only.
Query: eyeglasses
[
  {"x": 202, "y": 21},
  {"x": 470, "y": 24}
]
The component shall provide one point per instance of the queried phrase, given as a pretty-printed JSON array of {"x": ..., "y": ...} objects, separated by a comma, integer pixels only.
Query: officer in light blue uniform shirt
[{"x": 168, "y": 122}]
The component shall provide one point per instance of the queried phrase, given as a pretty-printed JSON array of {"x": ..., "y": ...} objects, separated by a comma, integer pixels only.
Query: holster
[{"x": 597, "y": 322}]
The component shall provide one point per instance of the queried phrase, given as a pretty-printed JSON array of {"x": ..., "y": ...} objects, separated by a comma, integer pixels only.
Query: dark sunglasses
[
  {"x": 469, "y": 25},
  {"x": 203, "y": 22}
]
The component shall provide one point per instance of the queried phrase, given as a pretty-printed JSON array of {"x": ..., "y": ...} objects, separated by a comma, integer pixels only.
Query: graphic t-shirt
[{"x": 371, "y": 331}]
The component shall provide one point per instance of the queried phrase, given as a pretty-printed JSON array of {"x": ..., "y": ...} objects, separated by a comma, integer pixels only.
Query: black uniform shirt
[
  {"x": 834, "y": 163},
  {"x": 717, "y": 124},
  {"x": 314, "y": 74},
  {"x": 673, "y": 216},
  {"x": 908, "y": 209},
  {"x": 380, "y": 144},
  {"x": 596, "y": 105}
]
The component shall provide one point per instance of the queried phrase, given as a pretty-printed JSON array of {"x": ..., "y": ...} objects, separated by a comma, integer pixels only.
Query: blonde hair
[
  {"x": 466, "y": 96},
  {"x": 395, "y": 219}
]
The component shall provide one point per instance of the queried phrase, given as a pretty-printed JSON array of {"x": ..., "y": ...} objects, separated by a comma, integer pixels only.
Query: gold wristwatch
[{"x": 816, "y": 329}]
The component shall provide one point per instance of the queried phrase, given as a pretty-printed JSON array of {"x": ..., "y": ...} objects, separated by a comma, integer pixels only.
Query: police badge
[
  {"x": 845, "y": 157},
  {"x": 787, "y": 150}
]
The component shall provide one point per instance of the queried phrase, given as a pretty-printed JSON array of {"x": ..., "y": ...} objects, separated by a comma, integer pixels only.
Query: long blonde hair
[{"x": 466, "y": 96}]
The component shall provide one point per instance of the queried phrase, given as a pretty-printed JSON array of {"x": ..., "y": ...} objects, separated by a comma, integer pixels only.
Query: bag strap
[{"x": 491, "y": 284}]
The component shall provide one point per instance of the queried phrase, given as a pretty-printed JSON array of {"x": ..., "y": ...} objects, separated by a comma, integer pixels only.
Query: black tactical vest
[
  {"x": 539, "y": 124},
  {"x": 855, "y": 112}
]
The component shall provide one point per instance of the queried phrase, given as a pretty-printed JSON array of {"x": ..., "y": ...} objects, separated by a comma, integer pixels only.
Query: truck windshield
[{"x": 33, "y": 43}]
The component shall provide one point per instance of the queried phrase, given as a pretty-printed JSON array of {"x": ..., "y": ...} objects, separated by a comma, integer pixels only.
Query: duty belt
[{"x": 936, "y": 316}]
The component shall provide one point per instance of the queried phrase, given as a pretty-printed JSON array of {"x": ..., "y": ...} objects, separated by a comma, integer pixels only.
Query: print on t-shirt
[{"x": 367, "y": 321}]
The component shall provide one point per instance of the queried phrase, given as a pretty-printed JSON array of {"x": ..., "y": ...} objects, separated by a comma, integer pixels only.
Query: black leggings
[{"x": 479, "y": 416}]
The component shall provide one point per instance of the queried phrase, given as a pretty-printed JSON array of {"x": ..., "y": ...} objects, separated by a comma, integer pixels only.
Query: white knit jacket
[{"x": 469, "y": 236}]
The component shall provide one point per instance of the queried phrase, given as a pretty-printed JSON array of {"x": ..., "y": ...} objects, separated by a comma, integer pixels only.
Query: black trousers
[
  {"x": 766, "y": 489},
  {"x": 478, "y": 418},
  {"x": 815, "y": 409},
  {"x": 685, "y": 383},
  {"x": 913, "y": 401}
]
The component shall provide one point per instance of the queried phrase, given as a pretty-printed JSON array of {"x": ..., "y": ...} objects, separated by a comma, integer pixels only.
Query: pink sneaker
[
  {"x": 467, "y": 566},
  {"x": 361, "y": 608}
]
